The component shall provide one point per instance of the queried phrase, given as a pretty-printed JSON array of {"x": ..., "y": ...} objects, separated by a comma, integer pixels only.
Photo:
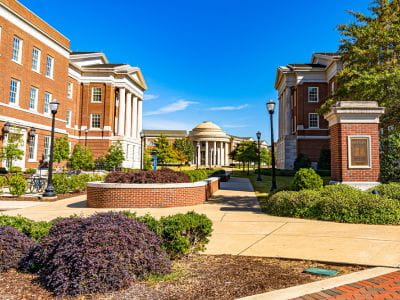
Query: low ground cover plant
[
  {"x": 33, "y": 229},
  {"x": 160, "y": 176},
  {"x": 390, "y": 190},
  {"x": 14, "y": 246}
]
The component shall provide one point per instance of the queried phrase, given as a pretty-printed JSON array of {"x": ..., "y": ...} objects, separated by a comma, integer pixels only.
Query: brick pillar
[{"x": 354, "y": 143}]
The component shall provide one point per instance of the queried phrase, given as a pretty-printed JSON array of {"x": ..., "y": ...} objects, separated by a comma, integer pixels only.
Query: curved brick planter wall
[{"x": 126, "y": 195}]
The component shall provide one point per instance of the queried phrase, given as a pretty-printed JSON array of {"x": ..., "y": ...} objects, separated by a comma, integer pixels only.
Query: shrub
[
  {"x": 17, "y": 185},
  {"x": 324, "y": 162},
  {"x": 390, "y": 190},
  {"x": 104, "y": 252},
  {"x": 14, "y": 246},
  {"x": 197, "y": 175},
  {"x": 34, "y": 230},
  {"x": 3, "y": 170},
  {"x": 302, "y": 161},
  {"x": 3, "y": 182},
  {"x": 15, "y": 170},
  {"x": 292, "y": 204},
  {"x": 30, "y": 171},
  {"x": 61, "y": 183},
  {"x": 159, "y": 176},
  {"x": 307, "y": 179}
]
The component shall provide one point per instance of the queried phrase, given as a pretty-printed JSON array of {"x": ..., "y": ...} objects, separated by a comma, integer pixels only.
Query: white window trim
[
  {"x": 16, "y": 94},
  {"x": 95, "y": 128},
  {"x": 70, "y": 95},
  {"x": 38, "y": 60},
  {"x": 309, "y": 121},
  {"x": 308, "y": 94},
  {"x": 369, "y": 166},
  {"x": 44, "y": 148},
  {"x": 101, "y": 95},
  {"x": 34, "y": 159},
  {"x": 68, "y": 124},
  {"x": 36, "y": 98},
  {"x": 44, "y": 103},
  {"x": 51, "y": 76},
  {"x": 21, "y": 42}
]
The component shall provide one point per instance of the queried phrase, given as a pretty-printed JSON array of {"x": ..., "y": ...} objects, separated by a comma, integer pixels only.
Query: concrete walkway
[{"x": 240, "y": 228}]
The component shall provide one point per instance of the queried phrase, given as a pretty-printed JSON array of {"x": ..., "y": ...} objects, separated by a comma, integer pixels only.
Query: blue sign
[{"x": 155, "y": 162}]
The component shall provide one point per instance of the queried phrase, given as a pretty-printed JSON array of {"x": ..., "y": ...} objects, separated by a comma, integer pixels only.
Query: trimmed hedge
[
  {"x": 340, "y": 203},
  {"x": 104, "y": 252},
  {"x": 63, "y": 183},
  {"x": 33, "y": 229},
  {"x": 159, "y": 176},
  {"x": 389, "y": 190},
  {"x": 307, "y": 179},
  {"x": 197, "y": 175}
]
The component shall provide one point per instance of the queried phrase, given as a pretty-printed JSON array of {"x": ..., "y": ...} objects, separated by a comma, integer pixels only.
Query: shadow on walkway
[{"x": 80, "y": 204}]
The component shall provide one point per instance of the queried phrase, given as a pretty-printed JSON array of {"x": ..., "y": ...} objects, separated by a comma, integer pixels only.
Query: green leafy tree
[
  {"x": 265, "y": 156},
  {"x": 163, "y": 150},
  {"x": 390, "y": 157},
  {"x": 246, "y": 152},
  {"x": 114, "y": 157},
  {"x": 81, "y": 158},
  {"x": 12, "y": 151},
  {"x": 184, "y": 150},
  {"x": 61, "y": 149},
  {"x": 147, "y": 160},
  {"x": 370, "y": 49}
]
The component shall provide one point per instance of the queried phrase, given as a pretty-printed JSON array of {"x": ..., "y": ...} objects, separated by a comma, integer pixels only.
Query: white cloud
[
  {"x": 150, "y": 97},
  {"x": 238, "y": 107},
  {"x": 173, "y": 107}
]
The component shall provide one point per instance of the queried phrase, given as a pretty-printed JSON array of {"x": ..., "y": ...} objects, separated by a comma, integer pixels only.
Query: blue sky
[{"x": 203, "y": 60}]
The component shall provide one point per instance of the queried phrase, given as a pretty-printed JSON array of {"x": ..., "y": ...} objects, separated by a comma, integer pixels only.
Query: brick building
[
  {"x": 302, "y": 89},
  {"x": 100, "y": 102}
]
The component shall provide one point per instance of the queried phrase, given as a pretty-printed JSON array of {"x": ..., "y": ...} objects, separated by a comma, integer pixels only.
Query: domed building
[{"x": 211, "y": 143}]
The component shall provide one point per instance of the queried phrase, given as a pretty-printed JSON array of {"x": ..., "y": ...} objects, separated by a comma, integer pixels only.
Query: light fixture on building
[
  {"x": 32, "y": 133},
  {"x": 6, "y": 128}
]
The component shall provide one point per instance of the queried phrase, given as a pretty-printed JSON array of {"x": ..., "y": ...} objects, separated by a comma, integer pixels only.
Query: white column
[
  {"x": 198, "y": 161},
  {"x": 139, "y": 117},
  {"x": 134, "y": 131},
  {"x": 226, "y": 154},
  {"x": 207, "y": 163},
  {"x": 215, "y": 153},
  {"x": 128, "y": 117},
  {"x": 220, "y": 153},
  {"x": 121, "y": 116}
]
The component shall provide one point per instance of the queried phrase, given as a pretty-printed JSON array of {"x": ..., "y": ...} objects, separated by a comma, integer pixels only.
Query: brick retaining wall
[{"x": 123, "y": 195}]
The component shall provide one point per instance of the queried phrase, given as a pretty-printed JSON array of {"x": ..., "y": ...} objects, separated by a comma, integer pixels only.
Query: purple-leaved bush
[
  {"x": 104, "y": 252},
  {"x": 14, "y": 246},
  {"x": 159, "y": 176}
]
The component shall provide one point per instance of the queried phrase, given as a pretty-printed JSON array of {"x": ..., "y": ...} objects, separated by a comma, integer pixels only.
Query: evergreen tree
[
  {"x": 61, "y": 149},
  {"x": 370, "y": 49}
]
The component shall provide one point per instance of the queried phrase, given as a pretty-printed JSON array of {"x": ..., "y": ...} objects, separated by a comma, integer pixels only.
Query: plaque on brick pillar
[{"x": 354, "y": 143}]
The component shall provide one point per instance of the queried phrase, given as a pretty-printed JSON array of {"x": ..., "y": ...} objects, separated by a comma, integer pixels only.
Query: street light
[
  {"x": 271, "y": 109},
  {"x": 49, "y": 192},
  {"x": 259, "y": 155},
  {"x": 141, "y": 150}
]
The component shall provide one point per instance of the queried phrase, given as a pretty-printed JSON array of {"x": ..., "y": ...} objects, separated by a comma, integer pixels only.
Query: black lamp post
[
  {"x": 141, "y": 150},
  {"x": 49, "y": 192},
  {"x": 259, "y": 155},
  {"x": 271, "y": 109}
]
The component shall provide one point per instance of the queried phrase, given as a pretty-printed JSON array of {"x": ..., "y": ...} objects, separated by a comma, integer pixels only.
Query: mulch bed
[
  {"x": 198, "y": 277},
  {"x": 40, "y": 199}
]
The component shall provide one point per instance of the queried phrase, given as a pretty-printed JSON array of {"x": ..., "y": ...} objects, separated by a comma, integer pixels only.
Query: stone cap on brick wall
[{"x": 105, "y": 185}]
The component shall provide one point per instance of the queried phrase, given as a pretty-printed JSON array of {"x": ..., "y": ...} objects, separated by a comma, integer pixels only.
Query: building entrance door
[{"x": 16, "y": 136}]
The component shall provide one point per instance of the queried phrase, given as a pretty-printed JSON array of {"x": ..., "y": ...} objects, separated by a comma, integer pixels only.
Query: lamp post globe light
[
  {"x": 259, "y": 155},
  {"x": 49, "y": 192},
  {"x": 271, "y": 108}
]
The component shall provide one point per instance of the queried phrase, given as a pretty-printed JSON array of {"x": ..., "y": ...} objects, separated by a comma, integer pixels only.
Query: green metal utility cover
[{"x": 318, "y": 271}]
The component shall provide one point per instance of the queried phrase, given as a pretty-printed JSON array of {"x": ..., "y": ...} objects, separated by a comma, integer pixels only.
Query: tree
[
  {"x": 246, "y": 152},
  {"x": 147, "y": 160},
  {"x": 390, "y": 157},
  {"x": 61, "y": 149},
  {"x": 184, "y": 150},
  {"x": 265, "y": 156},
  {"x": 114, "y": 157},
  {"x": 163, "y": 150},
  {"x": 81, "y": 158},
  {"x": 12, "y": 151},
  {"x": 370, "y": 49}
]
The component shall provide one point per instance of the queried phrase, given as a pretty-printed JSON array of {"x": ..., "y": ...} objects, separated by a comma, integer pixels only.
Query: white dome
[{"x": 208, "y": 130}]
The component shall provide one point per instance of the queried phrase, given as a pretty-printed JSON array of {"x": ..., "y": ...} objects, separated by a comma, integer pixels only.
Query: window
[
  {"x": 36, "y": 60},
  {"x": 17, "y": 50},
  {"x": 46, "y": 151},
  {"x": 96, "y": 94},
  {"x": 49, "y": 67},
  {"x": 313, "y": 120},
  {"x": 47, "y": 100},
  {"x": 95, "y": 121},
  {"x": 68, "y": 118},
  {"x": 70, "y": 90},
  {"x": 33, "y": 98},
  {"x": 313, "y": 94},
  {"x": 32, "y": 148},
  {"x": 14, "y": 91}
]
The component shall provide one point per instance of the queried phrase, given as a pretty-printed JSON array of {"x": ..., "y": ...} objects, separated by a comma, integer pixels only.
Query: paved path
[{"x": 240, "y": 228}]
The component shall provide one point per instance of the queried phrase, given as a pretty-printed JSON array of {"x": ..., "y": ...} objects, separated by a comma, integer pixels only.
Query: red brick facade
[
  {"x": 339, "y": 152},
  {"x": 136, "y": 197}
]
